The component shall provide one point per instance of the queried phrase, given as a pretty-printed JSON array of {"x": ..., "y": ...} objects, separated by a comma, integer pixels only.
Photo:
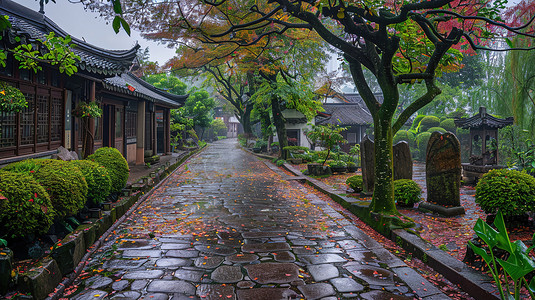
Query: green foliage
[
  {"x": 439, "y": 129},
  {"x": 328, "y": 136},
  {"x": 11, "y": 99},
  {"x": 87, "y": 110},
  {"x": 403, "y": 135},
  {"x": 518, "y": 263},
  {"x": 509, "y": 191},
  {"x": 416, "y": 122},
  {"x": 63, "y": 181},
  {"x": 428, "y": 122},
  {"x": 355, "y": 182},
  {"x": 337, "y": 164},
  {"x": 296, "y": 149},
  {"x": 199, "y": 106},
  {"x": 58, "y": 52},
  {"x": 421, "y": 142},
  {"x": 26, "y": 208},
  {"x": 218, "y": 126},
  {"x": 261, "y": 144},
  {"x": 242, "y": 140},
  {"x": 449, "y": 125},
  {"x": 168, "y": 83},
  {"x": 280, "y": 162},
  {"x": 97, "y": 178},
  {"x": 116, "y": 165},
  {"x": 406, "y": 192}
]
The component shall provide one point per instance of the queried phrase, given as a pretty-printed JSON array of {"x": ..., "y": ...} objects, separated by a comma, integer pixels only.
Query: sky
[{"x": 95, "y": 30}]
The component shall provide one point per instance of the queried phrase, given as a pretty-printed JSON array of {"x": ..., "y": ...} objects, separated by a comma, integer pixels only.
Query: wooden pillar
[
  {"x": 167, "y": 131},
  {"x": 91, "y": 139},
  {"x": 154, "y": 132},
  {"x": 140, "y": 137}
]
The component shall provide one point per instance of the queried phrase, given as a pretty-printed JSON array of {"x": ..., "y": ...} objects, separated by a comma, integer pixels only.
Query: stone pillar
[
  {"x": 140, "y": 138},
  {"x": 402, "y": 161}
]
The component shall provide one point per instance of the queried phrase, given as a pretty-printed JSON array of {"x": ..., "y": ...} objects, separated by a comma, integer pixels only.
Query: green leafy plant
[
  {"x": 87, "y": 110},
  {"x": 404, "y": 135},
  {"x": 406, "y": 192},
  {"x": 26, "y": 206},
  {"x": 116, "y": 165},
  {"x": 518, "y": 264},
  {"x": 449, "y": 125},
  {"x": 428, "y": 122},
  {"x": 11, "y": 99},
  {"x": 280, "y": 162},
  {"x": 3, "y": 243},
  {"x": 337, "y": 164},
  {"x": 97, "y": 178},
  {"x": 421, "y": 141},
  {"x": 328, "y": 136},
  {"x": 355, "y": 182},
  {"x": 509, "y": 191},
  {"x": 439, "y": 129}
]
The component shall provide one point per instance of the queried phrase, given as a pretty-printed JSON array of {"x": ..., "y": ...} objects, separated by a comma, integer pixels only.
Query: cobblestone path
[{"x": 229, "y": 227}]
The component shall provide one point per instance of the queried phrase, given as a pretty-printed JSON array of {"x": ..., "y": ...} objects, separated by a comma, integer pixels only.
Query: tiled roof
[
  {"x": 483, "y": 119},
  {"x": 346, "y": 114},
  {"x": 33, "y": 25},
  {"x": 142, "y": 89}
]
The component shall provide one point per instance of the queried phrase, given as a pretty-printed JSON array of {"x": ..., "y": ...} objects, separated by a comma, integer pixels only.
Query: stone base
[{"x": 445, "y": 211}]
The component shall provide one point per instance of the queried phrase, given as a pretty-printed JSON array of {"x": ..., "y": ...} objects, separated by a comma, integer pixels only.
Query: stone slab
[
  {"x": 265, "y": 247},
  {"x": 227, "y": 274},
  {"x": 323, "y": 272},
  {"x": 144, "y": 274},
  {"x": 264, "y": 273},
  {"x": 216, "y": 292},
  {"x": 266, "y": 294},
  {"x": 316, "y": 290},
  {"x": 171, "y": 286},
  {"x": 321, "y": 259},
  {"x": 346, "y": 285}
]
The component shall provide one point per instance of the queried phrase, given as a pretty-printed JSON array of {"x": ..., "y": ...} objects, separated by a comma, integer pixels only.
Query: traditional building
[{"x": 136, "y": 115}]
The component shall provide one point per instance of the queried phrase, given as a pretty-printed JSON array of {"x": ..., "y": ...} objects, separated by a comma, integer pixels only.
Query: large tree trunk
[
  {"x": 246, "y": 121},
  {"x": 278, "y": 121},
  {"x": 383, "y": 192}
]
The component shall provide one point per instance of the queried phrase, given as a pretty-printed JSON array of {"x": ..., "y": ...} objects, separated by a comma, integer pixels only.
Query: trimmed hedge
[
  {"x": 25, "y": 208},
  {"x": 64, "y": 183},
  {"x": 404, "y": 135},
  {"x": 449, "y": 125},
  {"x": 439, "y": 129},
  {"x": 116, "y": 165},
  {"x": 406, "y": 192},
  {"x": 355, "y": 182},
  {"x": 416, "y": 122},
  {"x": 428, "y": 122},
  {"x": 97, "y": 178},
  {"x": 510, "y": 191}
]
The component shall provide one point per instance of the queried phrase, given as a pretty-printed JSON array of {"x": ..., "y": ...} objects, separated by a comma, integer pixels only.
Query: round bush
[
  {"x": 421, "y": 142},
  {"x": 97, "y": 178},
  {"x": 116, "y": 165},
  {"x": 428, "y": 122},
  {"x": 416, "y": 121},
  {"x": 439, "y": 129},
  {"x": 449, "y": 125},
  {"x": 406, "y": 192},
  {"x": 355, "y": 182},
  {"x": 64, "y": 183},
  {"x": 403, "y": 135},
  {"x": 510, "y": 191},
  {"x": 25, "y": 207}
]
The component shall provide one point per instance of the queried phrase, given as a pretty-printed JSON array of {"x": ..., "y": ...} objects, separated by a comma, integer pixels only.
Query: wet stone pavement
[{"x": 229, "y": 226}]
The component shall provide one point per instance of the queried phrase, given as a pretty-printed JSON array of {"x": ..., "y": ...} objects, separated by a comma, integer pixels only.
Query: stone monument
[
  {"x": 402, "y": 161},
  {"x": 367, "y": 161},
  {"x": 443, "y": 175}
]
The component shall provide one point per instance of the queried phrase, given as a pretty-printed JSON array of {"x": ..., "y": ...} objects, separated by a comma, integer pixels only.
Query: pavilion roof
[
  {"x": 345, "y": 114},
  {"x": 482, "y": 119}
]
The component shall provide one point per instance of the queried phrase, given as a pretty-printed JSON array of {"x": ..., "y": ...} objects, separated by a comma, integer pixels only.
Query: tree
[
  {"x": 169, "y": 83},
  {"x": 199, "y": 106}
]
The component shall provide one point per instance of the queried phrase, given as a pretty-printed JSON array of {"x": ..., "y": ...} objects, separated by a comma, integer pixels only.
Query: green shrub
[
  {"x": 97, "y": 178},
  {"x": 296, "y": 148},
  {"x": 355, "y": 182},
  {"x": 63, "y": 181},
  {"x": 449, "y": 125},
  {"x": 403, "y": 135},
  {"x": 439, "y": 129},
  {"x": 510, "y": 191},
  {"x": 261, "y": 144},
  {"x": 428, "y": 122},
  {"x": 25, "y": 208},
  {"x": 351, "y": 164},
  {"x": 337, "y": 164},
  {"x": 416, "y": 122},
  {"x": 421, "y": 142},
  {"x": 406, "y": 192},
  {"x": 323, "y": 153},
  {"x": 280, "y": 162},
  {"x": 116, "y": 165}
]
